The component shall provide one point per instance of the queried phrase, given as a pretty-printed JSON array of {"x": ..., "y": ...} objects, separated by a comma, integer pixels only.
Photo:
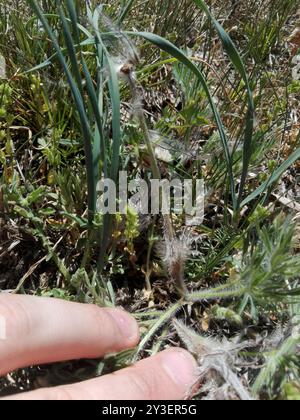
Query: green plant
[{"x": 281, "y": 365}]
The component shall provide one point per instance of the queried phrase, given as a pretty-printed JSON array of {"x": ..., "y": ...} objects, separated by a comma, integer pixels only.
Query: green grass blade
[
  {"x": 114, "y": 92},
  {"x": 115, "y": 160},
  {"x": 70, "y": 48},
  {"x": 74, "y": 19},
  {"x": 116, "y": 119},
  {"x": 49, "y": 61},
  {"x": 274, "y": 178},
  {"x": 52, "y": 16},
  {"x": 100, "y": 148},
  {"x": 95, "y": 106}
]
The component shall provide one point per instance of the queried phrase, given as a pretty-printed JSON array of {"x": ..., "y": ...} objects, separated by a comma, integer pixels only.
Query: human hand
[{"x": 41, "y": 330}]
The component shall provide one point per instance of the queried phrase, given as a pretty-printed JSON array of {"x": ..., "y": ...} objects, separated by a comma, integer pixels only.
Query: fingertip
[
  {"x": 181, "y": 367},
  {"x": 127, "y": 325}
]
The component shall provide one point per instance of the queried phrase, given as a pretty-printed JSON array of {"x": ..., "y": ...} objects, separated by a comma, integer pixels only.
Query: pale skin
[{"x": 35, "y": 331}]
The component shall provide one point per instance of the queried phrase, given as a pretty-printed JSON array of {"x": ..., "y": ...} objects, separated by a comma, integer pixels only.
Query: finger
[
  {"x": 40, "y": 330},
  {"x": 168, "y": 376}
]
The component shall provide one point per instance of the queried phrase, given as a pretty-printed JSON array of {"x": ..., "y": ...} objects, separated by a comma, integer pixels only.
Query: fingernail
[
  {"x": 127, "y": 325},
  {"x": 181, "y": 367}
]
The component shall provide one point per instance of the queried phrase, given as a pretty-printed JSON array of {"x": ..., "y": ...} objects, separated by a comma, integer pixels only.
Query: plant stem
[
  {"x": 166, "y": 317},
  {"x": 220, "y": 292}
]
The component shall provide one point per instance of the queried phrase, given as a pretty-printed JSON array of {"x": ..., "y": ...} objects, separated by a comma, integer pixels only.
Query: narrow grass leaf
[
  {"x": 274, "y": 178},
  {"x": 71, "y": 49}
]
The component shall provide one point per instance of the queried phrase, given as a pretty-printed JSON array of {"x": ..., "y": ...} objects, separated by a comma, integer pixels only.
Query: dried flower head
[{"x": 174, "y": 253}]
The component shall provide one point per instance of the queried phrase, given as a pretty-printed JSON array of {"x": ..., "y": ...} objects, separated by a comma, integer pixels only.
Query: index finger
[{"x": 42, "y": 330}]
